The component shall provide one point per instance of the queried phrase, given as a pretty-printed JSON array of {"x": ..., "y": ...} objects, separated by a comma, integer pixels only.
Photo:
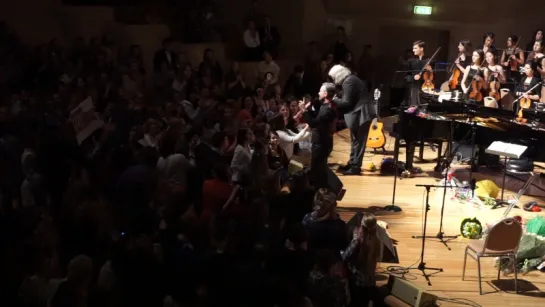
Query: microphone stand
[
  {"x": 422, "y": 266},
  {"x": 446, "y": 166},
  {"x": 392, "y": 206}
]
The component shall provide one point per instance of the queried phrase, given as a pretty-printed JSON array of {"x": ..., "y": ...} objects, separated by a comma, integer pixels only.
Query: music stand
[
  {"x": 505, "y": 150},
  {"x": 422, "y": 266}
]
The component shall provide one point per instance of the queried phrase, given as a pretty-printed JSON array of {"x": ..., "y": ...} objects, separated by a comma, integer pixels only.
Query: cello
[{"x": 428, "y": 75}]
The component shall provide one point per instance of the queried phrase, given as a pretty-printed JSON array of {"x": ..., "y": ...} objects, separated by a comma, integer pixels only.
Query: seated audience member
[
  {"x": 207, "y": 154},
  {"x": 243, "y": 153},
  {"x": 152, "y": 133},
  {"x": 249, "y": 109},
  {"x": 326, "y": 229},
  {"x": 287, "y": 138},
  {"x": 270, "y": 37},
  {"x": 209, "y": 62},
  {"x": 268, "y": 65},
  {"x": 297, "y": 84},
  {"x": 216, "y": 191},
  {"x": 74, "y": 290},
  {"x": 277, "y": 156},
  {"x": 235, "y": 85},
  {"x": 166, "y": 55},
  {"x": 172, "y": 167},
  {"x": 252, "y": 42}
]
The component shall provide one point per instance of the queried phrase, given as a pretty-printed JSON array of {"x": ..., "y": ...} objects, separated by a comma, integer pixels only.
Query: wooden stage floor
[{"x": 370, "y": 191}]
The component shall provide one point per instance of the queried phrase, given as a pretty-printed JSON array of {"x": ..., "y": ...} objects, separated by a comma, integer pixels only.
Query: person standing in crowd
[{"x": 322, "y": 121}]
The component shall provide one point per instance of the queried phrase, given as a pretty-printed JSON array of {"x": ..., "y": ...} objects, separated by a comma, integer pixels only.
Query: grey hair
[
  {"x": 338, "y": 73},
  {"x": 329, "y": 88}
]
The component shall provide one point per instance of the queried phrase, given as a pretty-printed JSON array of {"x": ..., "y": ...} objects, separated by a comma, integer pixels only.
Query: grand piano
[{"x": 459, "y": 121}]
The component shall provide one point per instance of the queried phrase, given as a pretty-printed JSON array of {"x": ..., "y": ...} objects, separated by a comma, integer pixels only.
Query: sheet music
[{"x": 509, "y": 150}]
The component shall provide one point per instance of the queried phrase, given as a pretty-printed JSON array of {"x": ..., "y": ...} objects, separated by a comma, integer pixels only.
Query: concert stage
[{"x": 371, "y": 190}]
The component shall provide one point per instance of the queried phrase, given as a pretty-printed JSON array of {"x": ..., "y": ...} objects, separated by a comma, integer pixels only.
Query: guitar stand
[{"x": 422, "y": 266}]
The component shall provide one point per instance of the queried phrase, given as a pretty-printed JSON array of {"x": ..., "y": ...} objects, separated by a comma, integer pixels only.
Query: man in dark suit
[
  {"x": 270, "y": 37},
  {"x": 358, "y": 110},
  {"x": 165, "y": 55},
  {"x": 322, "y": 119},
  {"x": 297, "y": 84}
]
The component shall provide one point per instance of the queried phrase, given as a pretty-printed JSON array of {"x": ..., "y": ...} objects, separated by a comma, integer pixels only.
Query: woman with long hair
[
  {"x": 463, "y": 59},
  {"x": 493, "y": 71},
  {"x": 243, "y": 152},
  {"x": 537, "y": 37},
  {"x": 537, "y": 52},
  {"x": 362, "y": 256},
  {"x": 475, "y": 71},
  {"x": 512, "y": 58}
]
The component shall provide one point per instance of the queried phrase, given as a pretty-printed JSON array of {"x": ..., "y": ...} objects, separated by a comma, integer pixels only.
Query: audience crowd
[{"x": 183, "y": 197}]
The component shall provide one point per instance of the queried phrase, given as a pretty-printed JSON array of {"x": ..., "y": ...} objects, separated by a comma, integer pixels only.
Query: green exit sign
[{"x": 422, "y": 10}]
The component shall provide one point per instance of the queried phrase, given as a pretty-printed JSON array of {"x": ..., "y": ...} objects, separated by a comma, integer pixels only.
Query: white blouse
[
  {"x": 251, "y": 41},
  {"x": 288, "y": 138}
]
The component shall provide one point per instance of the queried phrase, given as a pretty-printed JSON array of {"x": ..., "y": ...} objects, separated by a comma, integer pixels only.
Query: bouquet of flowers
[{"x": 471, "y": 228}]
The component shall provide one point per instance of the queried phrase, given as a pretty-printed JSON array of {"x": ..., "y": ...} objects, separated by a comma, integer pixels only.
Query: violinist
[
  {"x": 488, "y": 43},
  {"x": 473, "y": 80},
  {"x": 494, "y": 76},
  {"x": 512, "y": 58},
  {"x": 541, "y": 70},
  {"x": 538, "y": 37},
  {"x": 530, "y": 79},
  {"x": 460, "y": 64},
  {"x": 414, "y": 77},
  {"x": 537, "y": 52}
]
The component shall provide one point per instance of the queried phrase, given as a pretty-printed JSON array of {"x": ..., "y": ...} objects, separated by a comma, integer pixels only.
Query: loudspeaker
[{"x": 411, "y": 293}]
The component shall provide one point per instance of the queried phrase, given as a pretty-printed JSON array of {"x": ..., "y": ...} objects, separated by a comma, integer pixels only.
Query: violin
[
  {"x": 428, "y": 75},
  {"x": 494, "y": 87},
  {"x": 525, "y": 103},
  {"x": 476, "y": 88},
  {"x": 455, "y": 74},
  {"x": 513, "y": 64}
]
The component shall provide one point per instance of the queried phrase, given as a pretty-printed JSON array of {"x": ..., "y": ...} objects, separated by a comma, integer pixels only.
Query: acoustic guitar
[{"x": 376, "y": 138}]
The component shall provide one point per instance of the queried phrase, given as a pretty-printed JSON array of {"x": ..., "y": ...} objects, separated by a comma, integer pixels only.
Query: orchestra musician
[
  {"x": 414, "y": 77},
  {"x": 530, "y": 80},
  {"x": 488, "y": 43},
  {"x": 537, "y": 52},
  {"x": 512, "y": 58},
  {"x": 538, "y": 37},
  {"x": 493, "y": 71},
  {"x": 475, "y": 71},
  {"x": 541, "y": 70},
  {"x": 462, "y": 61}
]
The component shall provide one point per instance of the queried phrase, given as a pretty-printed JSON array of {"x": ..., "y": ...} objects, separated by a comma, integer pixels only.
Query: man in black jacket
[
  {"x": 358, "y": 110},
  {"x": 322, "y": 121}
]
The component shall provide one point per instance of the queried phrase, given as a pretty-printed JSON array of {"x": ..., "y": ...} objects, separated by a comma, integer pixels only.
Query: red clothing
[
  {"x": 215, "y": 195},
  {"x": 243, "y": 116}
]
